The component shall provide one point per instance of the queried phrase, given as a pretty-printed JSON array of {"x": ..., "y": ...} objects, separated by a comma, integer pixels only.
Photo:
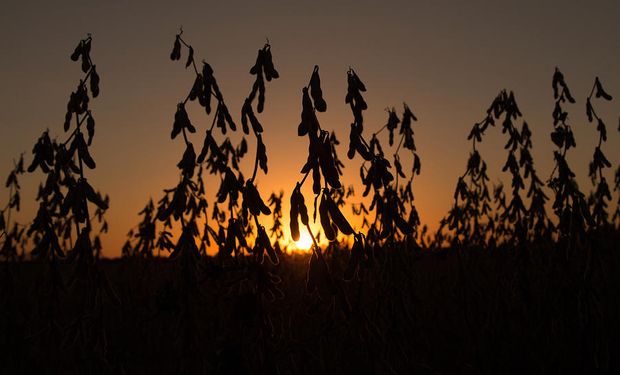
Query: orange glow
[
  {"x": 304, "y": 244},
  {"x": 436, "y": 58}
]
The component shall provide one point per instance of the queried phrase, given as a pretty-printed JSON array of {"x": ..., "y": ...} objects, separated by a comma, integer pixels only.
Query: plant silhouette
[
  {"x": 63, "y": 228},
  {"x": 209, "y": 284}
]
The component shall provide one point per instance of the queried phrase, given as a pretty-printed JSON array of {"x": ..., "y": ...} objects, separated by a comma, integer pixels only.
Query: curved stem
[
  {"x": 303, "y": 179},
  {"x": 255, "y": 160},
  {"x": 316, "y": 249},
  {"x": 380, "y": 130},
  {"x": 185, "y": 137},
  {"x": 402, "y": 138}
]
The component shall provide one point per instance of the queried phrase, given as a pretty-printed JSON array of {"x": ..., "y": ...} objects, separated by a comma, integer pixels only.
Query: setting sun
[
  {"x": 304, "y": 243},
  {"x": 245, "y": 190}
]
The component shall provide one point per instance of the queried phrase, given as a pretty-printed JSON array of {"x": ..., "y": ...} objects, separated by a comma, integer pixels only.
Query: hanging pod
[
  {"x": 190, "y": 57},
  {"x": 176, "y": 49},
  {"x": 270, "y": 70},
  {"x": 94, "y": 82},
  {"x": 600, "y": 92},
  {"x": 188, "y": 161},
  {"x": 261, "y": 153},
  {"x": 337, "y": 217},
  {"x": 325, "y": 219},
  {"x": 77, "y": 52},
  {"x": 298, "y": 209},
  {"x": 181, "y": 121},
  {"x": 253, "y": 200},
  {"x": 316, "y": 92},
  {"x": 327, "y": 163}
]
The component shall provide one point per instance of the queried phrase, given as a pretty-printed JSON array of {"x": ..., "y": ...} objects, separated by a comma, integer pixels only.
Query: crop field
[
  {"x": 443, "y": 312},
  {"x": 516, "y": 279}
]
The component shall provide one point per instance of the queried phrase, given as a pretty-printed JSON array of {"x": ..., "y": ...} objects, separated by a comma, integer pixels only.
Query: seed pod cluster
[
  {"x": 264, "y": 64},
  {"x": 569, "y": 203},
  {"x": 262, "y": 244},
  {"x": 357, "y": 143},
  {"x": 230, "y": 187},
  {"x": 247, "y": 113},
  {"x": 188, "y": 196},
  {"x": 48, "y": 245},
  {"x": 224, "y": 118},
  {"x": 354, "y": 98},
  {"x": 65, "y": 220},
  {"x": 187, "y": 164},
  {"x": 14, "y": 202},
  {"x": 309, "y": 123},
  {"x": 262, "y": 69},
  {"x": 209, "y": 86},
  {"x": 316, "y": 92},
  {"x": 209, "y": 145},
  {"x": 560, "y": 89},
  {"x": 235, "y": 239},
  {"x": 253, "y": 201},
  {"x": 205, "y": 87},
  {"x": 181, "y": 121},
  {"x": 563, "y": 138},
  {"x": 392, "y": 124},
  {"x": 83, "y": 50},
  {"x": 43, "y": 152},
  {"x": 321, "y": 158},
  {"x": 76, "y": 200},
  {"x": 78, "y": 100},
  {"x": 537, "y": 215},
  {"x": 78, "y": 104},
  {"x": 405, "y": 128},
  {"x": 473, "y": 220},
  {"x": 184, "y": 200},
  {"x": 79, "y": 144},
  {"x": 389, "y": 208},
  {"x": 599, "y": 199},
  {"x": 378, "y": 174}
]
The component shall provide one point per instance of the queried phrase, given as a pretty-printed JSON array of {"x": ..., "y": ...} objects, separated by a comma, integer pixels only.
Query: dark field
[{"x": 500, "y": 311}]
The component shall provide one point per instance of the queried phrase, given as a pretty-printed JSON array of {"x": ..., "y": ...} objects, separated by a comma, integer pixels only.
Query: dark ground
[{"x": 503, "y": 311}]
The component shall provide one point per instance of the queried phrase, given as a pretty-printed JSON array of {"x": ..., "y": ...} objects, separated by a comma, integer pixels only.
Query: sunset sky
[{"x": 447, "y": 60}]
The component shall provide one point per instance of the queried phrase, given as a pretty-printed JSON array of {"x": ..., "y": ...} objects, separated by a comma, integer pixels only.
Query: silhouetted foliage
[
  {"x": 477, "y": 295},
  {"x": 12, "y": 236},
  {"x": 602, "y": 194},
  {"x": 63, "y": 228},
  {"x": 569, "y": 205}
]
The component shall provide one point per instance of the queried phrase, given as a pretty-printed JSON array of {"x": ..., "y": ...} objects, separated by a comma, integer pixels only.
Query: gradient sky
[{"x": 447, "y": 60}]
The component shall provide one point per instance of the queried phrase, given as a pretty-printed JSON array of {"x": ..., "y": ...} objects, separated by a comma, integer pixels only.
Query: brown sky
[{"x": 446, "y": 59}]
